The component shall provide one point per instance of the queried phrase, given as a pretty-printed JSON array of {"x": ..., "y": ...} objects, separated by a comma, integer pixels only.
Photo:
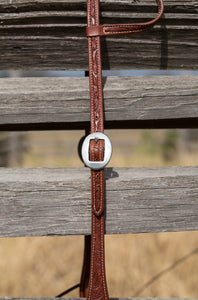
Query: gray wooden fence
[{"x": 48, "y": 35}]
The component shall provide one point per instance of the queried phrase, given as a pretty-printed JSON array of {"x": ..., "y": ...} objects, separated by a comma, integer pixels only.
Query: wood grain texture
[
  {"x": 49, "y": 34},
  {"x": 131, "y": 102},
  {"x": 37, "y": 202}
]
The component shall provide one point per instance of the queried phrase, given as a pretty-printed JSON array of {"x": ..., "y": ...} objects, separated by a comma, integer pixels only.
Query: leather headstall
[{"x": 96, "y": 149}]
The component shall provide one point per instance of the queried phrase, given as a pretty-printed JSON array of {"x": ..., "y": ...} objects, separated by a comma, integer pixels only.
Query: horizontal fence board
[
  {"x": 129, "y": 102},
  {"x": 49, "y": 34},
  {"x": 37, "y": 202}
]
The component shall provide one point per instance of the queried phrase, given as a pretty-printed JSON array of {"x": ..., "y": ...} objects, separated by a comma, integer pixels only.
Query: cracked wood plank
[
  {"x": 47, "y": 35},
  {"x": 129, "y": 102},
  {"x": 39, "y": 202}
]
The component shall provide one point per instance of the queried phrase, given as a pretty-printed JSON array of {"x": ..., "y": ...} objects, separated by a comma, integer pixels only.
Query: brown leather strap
[
  {"x": 94, "y": 261},
  {"x": 84, "y": 281},
  {"x": 97, "y": 288},
  {"x": 114, "y": 29},
  {"x": 97, "y": 281}
]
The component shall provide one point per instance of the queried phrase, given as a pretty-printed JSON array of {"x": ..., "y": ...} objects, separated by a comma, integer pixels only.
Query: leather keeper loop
[
  {"x": 94, "y": 31},
  {"x": 97, "y": 180}
]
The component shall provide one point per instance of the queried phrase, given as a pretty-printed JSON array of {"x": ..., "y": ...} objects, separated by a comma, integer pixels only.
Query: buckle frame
[{"x": 96, "y": 165}]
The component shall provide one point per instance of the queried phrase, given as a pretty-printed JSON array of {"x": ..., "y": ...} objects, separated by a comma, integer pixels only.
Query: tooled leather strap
[
  {"x": 114, "y": 29},
  {"x": 97, "y": 288},
  {"x": 93, "y": 281}
]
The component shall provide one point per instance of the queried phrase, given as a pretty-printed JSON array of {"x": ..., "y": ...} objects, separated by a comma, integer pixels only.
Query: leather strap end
[
  {"x": 94, "y": 31},
  {"x": 97, "y": 176}
]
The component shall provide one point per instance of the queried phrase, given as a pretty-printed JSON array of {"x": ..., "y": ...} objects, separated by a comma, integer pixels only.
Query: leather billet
[{"x": 93, "y": 280}]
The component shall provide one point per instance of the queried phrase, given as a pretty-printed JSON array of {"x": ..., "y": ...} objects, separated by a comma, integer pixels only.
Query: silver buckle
[{"x": 96, "y": 165}]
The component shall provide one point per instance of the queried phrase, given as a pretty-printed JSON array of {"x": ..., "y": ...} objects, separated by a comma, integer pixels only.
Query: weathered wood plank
[
  {"x": 50, "y": 103},
  {"x": 38, "y": 35},
  {"x": 53, "y": 12},
  {"x": 30, "y": 12},
  {"x": 57, "y": 201}
]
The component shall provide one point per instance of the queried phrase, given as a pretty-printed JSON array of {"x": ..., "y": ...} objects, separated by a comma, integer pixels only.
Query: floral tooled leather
[{"x": 93, "y": 281}]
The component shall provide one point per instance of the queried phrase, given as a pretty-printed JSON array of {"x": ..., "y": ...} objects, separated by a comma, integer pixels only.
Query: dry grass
[{"x": 142, "y": 265}]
